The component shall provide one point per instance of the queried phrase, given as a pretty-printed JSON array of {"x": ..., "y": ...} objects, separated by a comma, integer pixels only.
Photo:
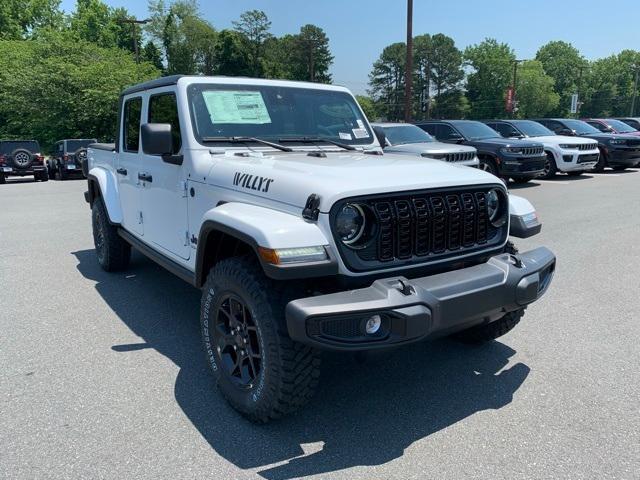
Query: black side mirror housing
[
  {"x": 566, "y": 131},
  {"x": 381, "y": 136},
  {"x": 156, "y": 138}
]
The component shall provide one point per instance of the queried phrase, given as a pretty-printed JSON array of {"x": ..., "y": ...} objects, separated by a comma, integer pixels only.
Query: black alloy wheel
[{"x": 237, "y": 342}]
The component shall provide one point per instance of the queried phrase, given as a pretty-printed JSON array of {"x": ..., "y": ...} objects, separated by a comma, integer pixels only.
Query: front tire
[
  {"x": 602, "y": 163},
  {"x": 112, "y": 251},
  {"x": 259, "y": 370},
  {"x": 550, "y": 167},
  {"x": 488, "y": 165}
]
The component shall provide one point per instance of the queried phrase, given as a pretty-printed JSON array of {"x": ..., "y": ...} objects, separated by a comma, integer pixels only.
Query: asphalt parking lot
[{"x": 103, "y": 375}]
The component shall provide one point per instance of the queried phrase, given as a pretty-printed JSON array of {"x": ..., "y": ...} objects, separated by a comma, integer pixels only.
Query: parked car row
[
  {"x": 520, "y": 150},
  {"x": 19, "y": 158}
]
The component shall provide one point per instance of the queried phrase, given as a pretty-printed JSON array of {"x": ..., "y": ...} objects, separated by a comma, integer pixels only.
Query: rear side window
[
  {"x": 163, "y": 108},
  {"x": 505, "y": 129},
  {"x": 599, "y": 126},
  {"x": 131, "y": 124},
  {"x": 430, "y": 128},
  {"x": 446, "y": 132}
]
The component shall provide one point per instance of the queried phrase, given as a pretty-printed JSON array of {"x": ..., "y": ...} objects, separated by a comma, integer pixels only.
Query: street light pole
[
  {"x": 408, "y": 75},
  {"x": 134, "y": 33},
  {"x": 635, "y": 92}
]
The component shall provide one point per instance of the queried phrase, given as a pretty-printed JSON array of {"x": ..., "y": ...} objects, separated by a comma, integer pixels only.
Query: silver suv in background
[{"x": 407, "y": 139}]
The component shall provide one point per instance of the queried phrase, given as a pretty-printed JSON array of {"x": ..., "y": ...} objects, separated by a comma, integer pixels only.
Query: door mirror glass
[{"x": 157, "y": 138}]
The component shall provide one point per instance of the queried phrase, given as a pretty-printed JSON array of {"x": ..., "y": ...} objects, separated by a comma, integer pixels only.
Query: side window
[
  {"x": 163, "y": 108},
  {"x": 430, "y": 128},
  {"x": 131, "y": 124},
  {"x": 505, "y": 130},
  {"x": 599, "y": 126},
  {"x": 447, "y": 132},
  {"x": 552, "y": 125}
]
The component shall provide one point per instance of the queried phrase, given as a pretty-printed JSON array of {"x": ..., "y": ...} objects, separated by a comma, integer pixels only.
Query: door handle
[
  {"x": 122, "y": 171},
  {"x": 145, "y": 177}
]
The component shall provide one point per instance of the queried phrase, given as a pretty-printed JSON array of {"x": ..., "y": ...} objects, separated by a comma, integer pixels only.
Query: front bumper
[
  {"x": 571, "y": 160},
  {"x": 420, "y": 308},
  {"x": 628, "y": 157},
  {"x": 522, "y": 167}
]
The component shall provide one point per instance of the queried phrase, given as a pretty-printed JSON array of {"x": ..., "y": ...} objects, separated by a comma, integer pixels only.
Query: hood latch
[{"x": 311, "y": 210}]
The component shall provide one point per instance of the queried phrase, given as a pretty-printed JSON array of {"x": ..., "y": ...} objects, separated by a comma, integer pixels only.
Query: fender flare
[
  {"x": 263, "y": 227},
  {"x": 108, "y": 187},
  {"x": 523, "y": 218}
]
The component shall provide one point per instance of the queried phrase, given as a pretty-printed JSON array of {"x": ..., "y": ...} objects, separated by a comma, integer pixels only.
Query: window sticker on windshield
[
  {"x": 236, "y": 107},
  {"x": 360, "y": 123},
  {"x": 344, "y": 136},
  {"x": 360, "y": 133}
]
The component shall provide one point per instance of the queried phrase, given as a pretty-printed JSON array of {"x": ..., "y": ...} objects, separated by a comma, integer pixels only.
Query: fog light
[{"x": 373, "y": 324}]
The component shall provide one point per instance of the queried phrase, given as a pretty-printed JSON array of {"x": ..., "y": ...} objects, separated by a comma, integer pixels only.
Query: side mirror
[
  {"x": 566, "y": 131},
  {"x": 455, "y": 137},
  {"x": 381, "y": 136},
  {"x": 156, "y": 138}
]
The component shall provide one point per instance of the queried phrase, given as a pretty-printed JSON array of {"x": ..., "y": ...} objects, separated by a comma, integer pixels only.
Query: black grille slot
[
  {"x": 468, "y": 220},
  {"x": 404, "y": 246},
  {"x": 385, "y": 238},
  {"x": 587, "y": 146},
  {"x": 439, "y": 225},
  {"x": 455, "y": 221},
  {"x": 459, "y": 157},
  {"x": 483, "y": 218},
  {"x": 421, "y": 210}
]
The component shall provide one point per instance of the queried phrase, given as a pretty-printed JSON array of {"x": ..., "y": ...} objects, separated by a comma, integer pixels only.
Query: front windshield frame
[
  {"x": 424, "y": 137},
  {"x": 462, "y": 128},
  {"x": 359, "y": 118},
  {"x": 586, "y": 128},
  {"x": 542, "y": 131},
  {"x": 620, "y": 127}
]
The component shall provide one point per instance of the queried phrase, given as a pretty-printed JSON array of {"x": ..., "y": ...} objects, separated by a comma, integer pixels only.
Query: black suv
[
  {"x": 21, "y": 157},
  {"x": 520, "y": 160},
  {"x": 68, "y": 156},
  {"x": 616, "y": 151}
]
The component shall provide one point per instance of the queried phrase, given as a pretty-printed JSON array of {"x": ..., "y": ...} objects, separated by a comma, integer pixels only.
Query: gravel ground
[{"x": 103, "y": 375}]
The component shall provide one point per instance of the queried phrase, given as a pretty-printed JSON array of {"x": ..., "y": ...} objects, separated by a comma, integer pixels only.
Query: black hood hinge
[{"x": 311, "y": 210}]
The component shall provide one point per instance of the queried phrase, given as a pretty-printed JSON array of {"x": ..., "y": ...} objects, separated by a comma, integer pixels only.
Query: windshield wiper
[
  {"x": 316, "y": 140},
  {"x": 247, "y": 139}
]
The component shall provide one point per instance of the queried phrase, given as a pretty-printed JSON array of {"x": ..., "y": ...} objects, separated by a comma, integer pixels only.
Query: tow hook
[
  {"x": 515, "y": 261},
  {"x": 405, "y": 289}
]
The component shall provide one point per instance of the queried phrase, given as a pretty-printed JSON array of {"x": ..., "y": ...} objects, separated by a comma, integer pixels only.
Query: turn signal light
[{"x": 279, "y": 256}]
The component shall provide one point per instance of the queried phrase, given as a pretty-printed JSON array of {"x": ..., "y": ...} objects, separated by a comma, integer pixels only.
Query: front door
[
  {"x": 128, "y": 165},
  {"x": 164, "y": 194}
]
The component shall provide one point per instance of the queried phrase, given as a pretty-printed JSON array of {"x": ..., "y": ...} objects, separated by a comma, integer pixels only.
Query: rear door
[
  {"x": 128, "y": 165},
  {"x": 164, "y": 194}
]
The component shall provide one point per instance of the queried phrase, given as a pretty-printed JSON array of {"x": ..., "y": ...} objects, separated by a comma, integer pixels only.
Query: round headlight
[
  {"x": 495, "y": 207},
  {"x": 350, "y": 223}
]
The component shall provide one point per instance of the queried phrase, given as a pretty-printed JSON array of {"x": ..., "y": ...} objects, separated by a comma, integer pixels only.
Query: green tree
[
  {"x": 230, "y": 54},
  {"x": 254, "y": 25},
  {"x": 492, "y": 66},
  {"x": 22, "y": 18},
  {"x": 535, "y": 91},
  {"x": 386, "y": 81},
  {"x": 564, "y": 63},
  {"x": 60, "y": 87},
  {"x": 313, "y": 56},
  {"x": 368, "y": 107},
  {"x": 152, "y": 54}
]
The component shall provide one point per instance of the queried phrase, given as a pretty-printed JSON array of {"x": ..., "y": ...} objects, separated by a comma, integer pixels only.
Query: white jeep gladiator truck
[{"x": 275, "y": 199}]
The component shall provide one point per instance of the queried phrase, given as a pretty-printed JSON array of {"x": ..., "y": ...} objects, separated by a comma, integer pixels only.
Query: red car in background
[{"x": 610, "y": 125}]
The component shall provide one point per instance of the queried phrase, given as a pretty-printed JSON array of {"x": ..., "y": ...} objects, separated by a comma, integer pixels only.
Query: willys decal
[{"x": 252, "y": 182}]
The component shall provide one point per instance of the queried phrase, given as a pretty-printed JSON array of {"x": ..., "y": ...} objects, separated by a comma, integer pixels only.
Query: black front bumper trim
[{"x": 438, "y": 305}]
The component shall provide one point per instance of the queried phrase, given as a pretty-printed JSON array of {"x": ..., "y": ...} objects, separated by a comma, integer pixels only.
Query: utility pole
[
  {"x": 635, "y": 92},
  {"x": 408, "y": 75},
  {"x": 515, "y": 87},
  {"x": 134, "y": 33}
]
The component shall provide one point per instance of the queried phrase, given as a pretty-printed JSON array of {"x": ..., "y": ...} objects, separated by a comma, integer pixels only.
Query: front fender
[
  {"x": 109, "y": 192},
  {"x": 263, "y": 227},
  {"x": 524, "y": 221}
]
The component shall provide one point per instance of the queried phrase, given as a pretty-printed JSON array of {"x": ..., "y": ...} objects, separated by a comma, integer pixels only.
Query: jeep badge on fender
[{"x": 351, "y": 252}]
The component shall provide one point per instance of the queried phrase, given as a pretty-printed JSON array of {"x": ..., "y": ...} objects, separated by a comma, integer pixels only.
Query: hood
[
  {"x": 290, "y": 178},
  {"x": 430, "y": 148},
  {"x": 505, "y": 142},
  {"x": 561, "y": 139},
  {"x": 603, "y": 137}
]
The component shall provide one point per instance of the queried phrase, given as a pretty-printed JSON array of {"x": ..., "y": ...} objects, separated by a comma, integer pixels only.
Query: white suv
[
  {"x": 275, "y": 199},
  {"x": 570, "y": 155}
]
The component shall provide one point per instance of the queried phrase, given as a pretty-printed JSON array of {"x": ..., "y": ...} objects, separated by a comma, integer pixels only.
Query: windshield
[
  {"x": 73, "y": 145},
  {"x": 580, "y": 127},
  {"x": 275, "y": 113},
  {"x": 532, "y": 129},
  {"x": 621, "y": 127},
  {"x": 476, "y": 130},
  {"x": 403, "y": 134}
]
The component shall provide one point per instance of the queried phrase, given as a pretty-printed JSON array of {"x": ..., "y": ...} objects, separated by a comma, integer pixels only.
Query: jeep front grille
[
  {"x": 587, "y": 146},
  {"x": 459, "y": 157},
  {"x": 423, "y": 226},
  {"x": 531, "y": 151}
]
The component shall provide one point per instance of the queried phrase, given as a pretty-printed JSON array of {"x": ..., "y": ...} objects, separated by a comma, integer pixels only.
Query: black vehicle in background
[
  {"x": 19, "y": 158},
  {"x": 616, "y": 151},
  {"x": 67, "y": 158},
  {"x": 520, "y": 160}
]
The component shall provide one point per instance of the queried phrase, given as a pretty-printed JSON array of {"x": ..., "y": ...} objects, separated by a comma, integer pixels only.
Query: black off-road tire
[
  {"x": 43, "y": 176},
  {"x": 619, "y": 168},
  {"x": 51, "y": 171},
  {"x": 521, "y": 181},
  {"x": 550, "y": 167},
  {"x": 21, "y": 153},
  {"x": 62, "y": 175},
  {"x": 3, "y": 180},
  {"x": 488, "y": 165},
  {"x": 574, "y": 174},
  {"x": 289, "y": 371},
  {"x": 112, "y": 251}
]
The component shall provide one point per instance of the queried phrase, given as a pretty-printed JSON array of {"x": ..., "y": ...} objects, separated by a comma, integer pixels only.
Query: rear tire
[
  {"x": 43, "y": 176},
  {"x": 112, "y": 251},
  {"x": 259, "y": 370},
  {"x": 488, "y": 165},
  {"x": 602, "y": 163},
  {"x": 62, "y": 175}
]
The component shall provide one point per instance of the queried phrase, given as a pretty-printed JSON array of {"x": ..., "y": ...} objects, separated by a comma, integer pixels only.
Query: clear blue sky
[{"x": 359, "y": 29}]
